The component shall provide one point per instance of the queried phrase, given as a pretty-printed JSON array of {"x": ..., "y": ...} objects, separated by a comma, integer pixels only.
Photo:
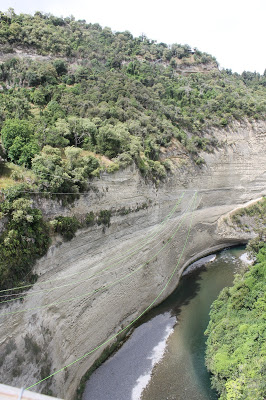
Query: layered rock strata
[{"x": 84, "y": 304}]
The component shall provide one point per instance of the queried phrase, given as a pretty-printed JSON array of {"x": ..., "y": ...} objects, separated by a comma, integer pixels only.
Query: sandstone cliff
[{"x": 37, "y": 342}]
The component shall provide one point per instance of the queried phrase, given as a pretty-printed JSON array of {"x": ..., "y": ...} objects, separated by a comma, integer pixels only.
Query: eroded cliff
[{"x": 56, "y": 326}]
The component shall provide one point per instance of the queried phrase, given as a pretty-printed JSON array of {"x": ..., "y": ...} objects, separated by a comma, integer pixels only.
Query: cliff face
[{"x": 35, "y": 343}]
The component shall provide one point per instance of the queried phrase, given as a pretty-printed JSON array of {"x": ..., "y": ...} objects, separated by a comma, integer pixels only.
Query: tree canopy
[{"x": 78, "y": 84}]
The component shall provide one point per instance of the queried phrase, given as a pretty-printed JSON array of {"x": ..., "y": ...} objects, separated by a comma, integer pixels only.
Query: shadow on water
[
  {"x": 164, "y": 356},
  {"x": 126, "y": 373},
  {"x": 187, "y": 289}
]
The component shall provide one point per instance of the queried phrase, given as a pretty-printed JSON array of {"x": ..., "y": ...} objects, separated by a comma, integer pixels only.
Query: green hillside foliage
[
  {"x": 236, "y": 347},
  {"x": 253, "y": 218},
  {"x": 48, "y": 34},
  {"x": 25, "y": 238},
  {"x": 63, "y": 174},
  {"x": 112, "y": 94}
]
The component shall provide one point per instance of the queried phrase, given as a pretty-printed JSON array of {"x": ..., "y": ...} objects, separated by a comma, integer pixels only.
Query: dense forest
[
  {"x": 236, "y": 348},
  {"x": 76, "y": 98},
  {"x": 236, "y": 345}
]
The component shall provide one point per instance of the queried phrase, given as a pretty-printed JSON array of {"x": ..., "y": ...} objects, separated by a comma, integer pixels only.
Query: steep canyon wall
[{"x": 36, "y": 342}]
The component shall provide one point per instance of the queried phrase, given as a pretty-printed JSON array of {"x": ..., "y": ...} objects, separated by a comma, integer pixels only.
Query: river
[{"x": 163, "y": 359}]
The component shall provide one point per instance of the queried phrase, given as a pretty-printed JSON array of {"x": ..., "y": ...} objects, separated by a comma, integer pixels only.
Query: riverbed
[{"x": 163, "y": 359}]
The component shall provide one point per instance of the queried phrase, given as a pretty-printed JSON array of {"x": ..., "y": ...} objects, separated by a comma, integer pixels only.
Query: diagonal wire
[
  {"x": 95, "y": 275},
  {"x": 105, "y": 286},
  {"x": 131, "y": 323},
  {"x": 112, "y": 259}
]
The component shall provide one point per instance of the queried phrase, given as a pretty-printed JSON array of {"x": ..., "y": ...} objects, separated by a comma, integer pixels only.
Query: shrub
[
  {"x": 66, "y": 226},
  {"x": 104, "y": 217},
  {"x": 18, "y": 140},
  {"x": 157, "y": 169},
  {"x": 199, "y": 161},
  {"x": 90, "y": 219},
  {"x": 25, "y": 238},
  {"x": 124, "y": 160},
  {"x": 112, "y": 140},
  {"x": 113, "y": 167}
]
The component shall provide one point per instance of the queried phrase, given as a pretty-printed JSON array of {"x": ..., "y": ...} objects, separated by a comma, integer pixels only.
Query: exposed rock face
[
  {"x": 186, "y": 66},
  {"x": 37, "y": 342}
]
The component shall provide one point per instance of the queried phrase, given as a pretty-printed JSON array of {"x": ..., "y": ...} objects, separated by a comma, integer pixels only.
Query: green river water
[{"x": 164, "y": 357}]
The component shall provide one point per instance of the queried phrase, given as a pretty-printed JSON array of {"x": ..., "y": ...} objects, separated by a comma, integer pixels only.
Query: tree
[
  {"x": 22, "y": 152},
  {"x": 81, "y": 130},
  {"x": 39, "y": 97},
  {"x": 60, "y": 175},
  {"x": 77, "y": 166},
  {"x": 48, "y": 166},
  {"x": 112, "y": 140},
  {"x": 53, "y": 111},
  {"x": 60, "y": 67},
  {"x": 13, "y": 128},
  {"x": 25, "y": 238},
  {"x": 19, "y": 142},
  {"x": 57, "y": 135}
]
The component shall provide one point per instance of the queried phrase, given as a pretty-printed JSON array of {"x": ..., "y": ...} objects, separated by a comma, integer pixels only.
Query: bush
[
  {"x": 199, "y": 161},
  {"x": 124, "y": 160},
  {"x": 104, "y": 217},
  {"x": 113, "y": 167},
  {"x": 157, "y": 169},
  {"x": 66, "y": 226},
  {"x": 19, "y": 142},
  {"x": 26, "y": 238},
  {"x": 112, "y": 140},
  {"x": 90, "y": 219},
  {"x": 64, "y": 175}
]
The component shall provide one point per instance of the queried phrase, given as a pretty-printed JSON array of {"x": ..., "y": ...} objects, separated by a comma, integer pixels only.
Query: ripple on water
[
  {"x": 199, "y": 263},
  {"x": 246, "y": 259},
  {"x": 156, "y": 356},
  {"x": 163, "y": 359},
  {"x": 124, "y": 375}
]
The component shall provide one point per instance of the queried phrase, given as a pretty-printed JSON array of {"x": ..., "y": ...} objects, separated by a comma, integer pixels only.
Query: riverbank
[{"x": 164, "y": 356}]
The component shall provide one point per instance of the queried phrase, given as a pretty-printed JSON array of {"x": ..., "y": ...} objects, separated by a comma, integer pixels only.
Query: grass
[
  {"x": 103, "y": 160},
  {"x": 11, "y": 175},
  {"x": 5, "y": 178}
]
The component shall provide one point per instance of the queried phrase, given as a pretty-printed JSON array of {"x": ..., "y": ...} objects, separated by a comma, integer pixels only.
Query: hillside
[
  {"x": 69, "y": 83},
  {"x": 236, "y": 347},
  {"x": 236, "y": 343},
  {"x": 118, "y": 145},
  {"x": 77, "y": 99}
]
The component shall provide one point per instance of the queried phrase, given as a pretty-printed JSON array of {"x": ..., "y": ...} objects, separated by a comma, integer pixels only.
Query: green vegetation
[
  {"x": 236, "y": 348},
  {"x": 47, "y": 34},
  {"x": 66, "y": 226},
  {"x": 79, "y": 99},
  {"x": 25, "y": 238},
  {"x": 253, "y": 218},
  {"x": 110, "y": 94},
  {"x": 19, "y": 142},
  {"x": 104, "y": 217},
  {"x": 256, "y": 211},
  {"x": 90, "y": 219},
  {"x": 67, "y": 173}
]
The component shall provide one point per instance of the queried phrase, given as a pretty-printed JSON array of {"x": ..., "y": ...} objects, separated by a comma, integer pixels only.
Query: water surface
[{"x": 164, "y": 357}]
